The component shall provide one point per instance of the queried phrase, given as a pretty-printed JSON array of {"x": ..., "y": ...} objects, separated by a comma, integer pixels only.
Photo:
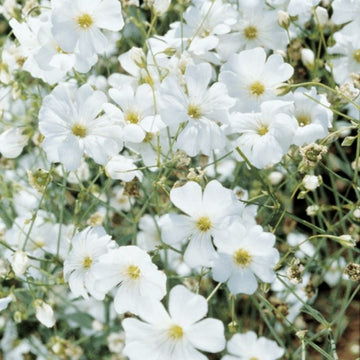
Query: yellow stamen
[
  {"x": 357, "y": 56},
  {"x": 194, "y": 111},
  {"x": 79, "y": 130},
  {"x": 203, "y": 224},
  {"x": 303, "y": 120},
  {"x": 257, "y": 88},
  {"x": 85, "y": 21},
  {"x": 176, "y": 332},
  {"x": 132, "y": 117},
  {"x": 133, "y": 272},
  {"x": 250, "y": 32},
  {"x": 87, "y": 262},
  {"x": 262, "y": 130},
  {"x": 242, "y": 258}
]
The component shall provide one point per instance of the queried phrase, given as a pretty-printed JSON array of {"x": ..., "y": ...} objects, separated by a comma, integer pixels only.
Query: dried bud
[
  {"x": 353, "y": 271},
  {"x": 294, "y": 272},
  {"x": 39, "y": 179}
]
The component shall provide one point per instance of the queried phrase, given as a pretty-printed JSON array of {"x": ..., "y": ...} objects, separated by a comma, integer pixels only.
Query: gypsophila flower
[
  {"x": 176, "y": 335},
  {"x": 87, "y": 247}
]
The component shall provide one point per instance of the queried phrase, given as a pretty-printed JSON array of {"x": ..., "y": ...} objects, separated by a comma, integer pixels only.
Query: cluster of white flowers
[{"x": 215, "y": 87}]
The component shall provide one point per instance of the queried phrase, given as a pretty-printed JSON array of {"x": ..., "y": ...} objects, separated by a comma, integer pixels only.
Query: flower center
[
  {"x": 194, "y": 111},
  {"x": 262, "y": 130},
  {"x": 257, "y": 88},
  {"x": 242, "y": 258},
  {"x": 176, "y": 332},
  {"x": 203, "y": 224},
  {"x": 254, "y": 358},
  {"x": 133, "y": 272},
  {"x": 303, "y": 120},
  {"x": 148, "y": 137},
  {"x": 85, "y": 21},
  {"x": 87, "y": 262},
  {"x": 357, "y": 56},
  {"x": 79, "y": 130},
  {"x": 132, "y": 117},
  {"x": 250, "y": 32}
]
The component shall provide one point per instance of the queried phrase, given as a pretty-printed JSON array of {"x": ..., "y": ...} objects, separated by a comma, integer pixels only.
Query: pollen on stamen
[
  {"x": 176, "y": 332},
  {"x": 87, "y": 262},
  {"x": 303, "y": 120},
  {"x": 133, "y": 272},
  {"x": 79, "y": 130},
  {"x": 242, "y": 258},
  {"x": 262, "y": 130},
  {"x": 250, "y": 32},
  {"x": 257, "y": 88},
  {"x": 357, "y": 56},
  {"x": 85, "y": 21},
  {"x": 194, "y": 111},
  {"x": 203, "y": 224},
  {"x": 132, "y": 117}
]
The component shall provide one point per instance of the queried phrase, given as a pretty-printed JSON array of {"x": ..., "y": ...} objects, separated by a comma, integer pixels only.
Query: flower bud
[
  {"x": 283, "y": 19},
  {"x": 308, "y": 58},
  {"x": 311, "y": 182},
  {"x": 44, "y": 313},
  {"x": 19, "y": 262},
  {"x": 322, "y": 16}
]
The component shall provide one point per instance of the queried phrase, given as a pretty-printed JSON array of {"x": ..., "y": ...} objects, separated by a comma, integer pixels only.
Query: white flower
[
  {"x": 200, "y": 108},
  {"x": 348, "y": 45},
  {"x": 252, "y": 79},
  {"x": 313, "y": 116},
  {"x": 19, "y": 262},
  {"x": 345, "y": 11},
  {"x": 4, "y": 302},
  {"x": 266, "y": 136},
  {"x": 44, "y": 313},
  {"x": 206, "y": 217},
  {"x": 77, "y": 24},
  {"x": 243, "y": 253},
  {"x": 311, "y": 182},
  {"x": 305, "y": 248},
  {"x": 137, "y": 279},
  {"x": 69, "y": 121},
  {"x": 122, "y": 168},
  {"x": 87, "y": 247},
  {"x": 248, "y": 346},
  {"x": 12, "y": 142},
  {"x": 177, "y": 335},
  {"x": 257, "y": 26}
]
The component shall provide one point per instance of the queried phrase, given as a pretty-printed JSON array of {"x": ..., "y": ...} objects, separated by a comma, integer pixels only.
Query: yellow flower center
[
  {"x": 87, "y": 262},
  {"x": 194, "y": 111},
  {"x": 132, "y": 117},
  {"x": 257, "y": 88},
  {"x": 357, "y": 56},
  {"x": 79, "y": 130},
  {"x": 303, "y": 120},
  {"x": 250, "y": 32},
  {"x": 203, "y": 224},
  {"x": 85, "y": 21},
  {"x": 148, "y": 137},
  {"x": 133, "y": 272},
  {"x": 262, "y": 130},
  {"x": 254, "y": 358},
  {"x": 242, "y": 258},
  {"x": 176, "y": 332}
]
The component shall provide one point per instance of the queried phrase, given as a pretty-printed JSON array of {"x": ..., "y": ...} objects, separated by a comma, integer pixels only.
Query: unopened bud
[
  {"x": 308, "y": 58},
  {"x": 20, "y": 262},
  {"x": 283, "y": 19},
  {"x": 322, "y": 16}
]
